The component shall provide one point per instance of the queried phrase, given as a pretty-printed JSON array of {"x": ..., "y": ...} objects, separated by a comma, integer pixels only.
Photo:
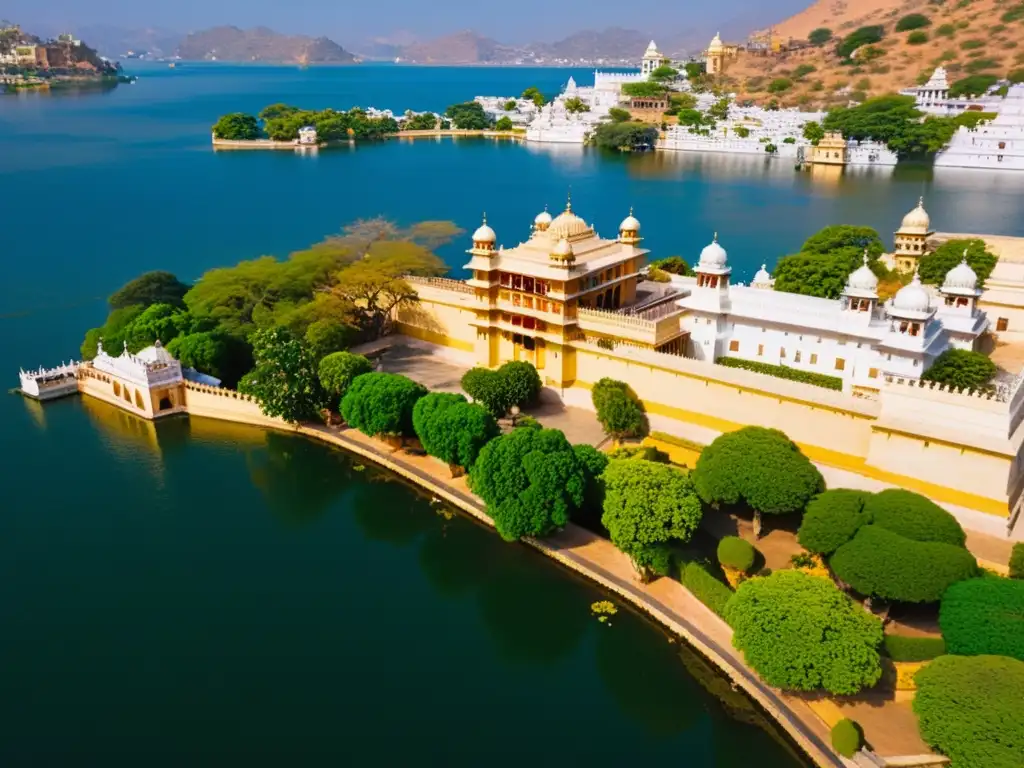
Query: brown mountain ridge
[{"x": 261, "y": 44}]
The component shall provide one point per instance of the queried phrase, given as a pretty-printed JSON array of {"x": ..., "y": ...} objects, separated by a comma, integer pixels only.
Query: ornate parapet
[
  {"x": 50, "y": 383},
  {"x": 653, "y": 329}
]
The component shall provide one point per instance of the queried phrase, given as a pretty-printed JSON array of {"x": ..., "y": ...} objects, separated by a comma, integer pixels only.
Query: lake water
[{"x": 202, "y": 594}]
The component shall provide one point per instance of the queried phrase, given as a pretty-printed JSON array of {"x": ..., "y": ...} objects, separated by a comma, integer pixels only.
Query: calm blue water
[{"x": 198, "y": 594}]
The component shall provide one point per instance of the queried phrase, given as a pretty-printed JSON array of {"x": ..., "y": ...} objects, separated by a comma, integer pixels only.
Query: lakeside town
[{"x": 29, "y": 63}]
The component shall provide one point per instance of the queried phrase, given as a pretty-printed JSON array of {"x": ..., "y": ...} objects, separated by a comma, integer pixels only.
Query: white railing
[{"x": 442, "y": 283}]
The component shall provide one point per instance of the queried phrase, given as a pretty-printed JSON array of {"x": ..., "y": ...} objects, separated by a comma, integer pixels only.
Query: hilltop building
[
  {"x": 653, "y": 58},
  {"x": 933, "y": 97},
  {"x": 718, "y": 54},
  {"x": 996, "y": 145}
]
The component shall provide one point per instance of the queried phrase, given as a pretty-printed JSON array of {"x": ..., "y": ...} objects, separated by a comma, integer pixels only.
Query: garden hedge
[
  {"x": 705, "y": 587},
  {"x": 880, "y": 563},
  {"x": 382, "y": 404},
  {"x": 984, "y": 616},
  {"x": 618, "y": 409},
  {"x": 833, "y": 518},
  {"x": 905, "y": 648},
  {"x": 783, "y": 372},
  {"x": 736, "y": 553},
  {"x": 968, "y": 708},
  {"x": 847, "y": 738},
  {"x": 1017, "y": 561},
  {"x": 914, "y": 516}
]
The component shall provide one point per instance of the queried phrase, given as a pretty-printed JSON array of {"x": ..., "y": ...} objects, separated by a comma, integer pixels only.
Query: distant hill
[
  {"x": 612, "y": 43},
  {"x": 978, "y": 37},
  {"x": 466, "y": 47},
  {"x": 261, "y": 44},
  {"x": 114, "y": 42}
]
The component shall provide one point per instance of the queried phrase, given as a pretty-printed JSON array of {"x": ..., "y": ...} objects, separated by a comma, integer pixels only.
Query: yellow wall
[
  {"x": 437, "y": 323},
  {"x": 227, "y": 405}
]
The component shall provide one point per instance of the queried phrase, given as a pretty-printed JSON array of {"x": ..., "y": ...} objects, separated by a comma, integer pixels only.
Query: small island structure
[{"x": 30, "y": 63}]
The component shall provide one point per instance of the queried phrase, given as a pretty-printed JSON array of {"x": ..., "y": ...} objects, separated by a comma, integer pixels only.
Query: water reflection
[
  {"x": 387, "y": 511},
  {"x": 132, "y": 440},
  {"x": 452, "y": 559}
]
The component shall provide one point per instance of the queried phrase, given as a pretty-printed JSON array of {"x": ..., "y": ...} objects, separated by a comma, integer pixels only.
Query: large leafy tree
[
  {"x": 880, "y": 563},
  {"x": 113, "y": 334},
  {"x": 962, "y": 369},
  {"x": 224, "y": 357},
  {"x": 337, "y": 371},
  {"x": 800, "y": 633},
  {"x": 618, "y": 409},
  {"x": 513, "y": 384},
  {"x": 158, "y": 322},
  {"x": 968, "y": 708},
  {"x": 625, "y": 137},
  {"x": 984, "y": 616},
  {"x": 150, "y": 288},
  {"x": 468, "y": 116},
  {"x": 934, "y": 266},
  {"x": 382, "y": 404},
  {"x": 644, "y": 90},
  {"x": 759, "y": 468},
  {"x": 531, "y": 481},
  {"x": 646, "y": 507},
  {"x": 914, "y": 516},
  {"x": 452, "y": 429},
  {"x": 826, "y": 260},
  {"x": 284, "y": 380},
  {"x": 237, "y": 126},
  {"x": 833, "y": 518}
]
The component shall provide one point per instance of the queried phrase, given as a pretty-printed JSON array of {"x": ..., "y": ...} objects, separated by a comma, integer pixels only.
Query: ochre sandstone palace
[{"x": 577, "y": 307}]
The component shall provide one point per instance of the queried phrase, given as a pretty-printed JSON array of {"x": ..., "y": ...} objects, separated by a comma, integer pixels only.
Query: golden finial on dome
[{"x": 568, "y": 201}]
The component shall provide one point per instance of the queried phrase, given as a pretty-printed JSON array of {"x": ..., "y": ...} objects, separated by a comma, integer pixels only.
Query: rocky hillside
[
  {"x": 976, "y": 39},
  {"x": 466, "y": 47},
  {"x": 261, "y": 44}
]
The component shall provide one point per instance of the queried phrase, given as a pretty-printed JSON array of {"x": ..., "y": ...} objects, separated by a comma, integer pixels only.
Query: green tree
[
  {"x": 962, "y": 369},
  {"x": 521, "y": 381},
  {"x": 800, "y": 633},
  {"x": 643, "y": 90},
  {"x": 984, "y": 616},
  {"x": 625, "y": 137},
  {"x": 427, "y": 121},
  {"x": 820, "y": 36},
  {"x": 504, "y": 124},
  {"x": 381, "y": 404},
  {"x": 619, "y": 115},
  {"x": 452, "y": 429},
  {"x": 157, "y": 322},
  {"x": 534, "y": 95},
  {"x": 487, "y": 388},
  {"x": 237, "y": 127},
  {"x": 813, "y": 132},
  {"x": 720, "y": 109},
  {"x": 847, "y": 738},
  {"x": 284, "y": 380},
  {"x": 914, "y": 516},
  {"x": 150, "y": 288},
  {"x": 468, "y": 116},
  {"x": 683, "y": 100},
  {"x": 936, "y": 265},
  {"x": 832, "y": 519},
  {"x": 913, "y": 21},
  {"x": 326, "y": 336},
  {"x": 510, "y": 105},
  {"x": 759, "y": 468},
  {"x": 694, "y": 70},
  {"x": 741, "y": 131},
  {"x": 917, "y": 38},
  {"x": 826, "y": 260},
  {"x": 736, "y": 553},
  {"x": 646, "y": 507},
  {"x": 113, "y": 334},
  {"x": 858, "y": 38},
  {"x": 575, "y": 105},
  {"x": 220, "y": 356},
  {"x": 1017, "y": 561},
  {"x": 973, "y": 85},
  {"x": 780, "y": 85},
  {"x": 594, "y": 463},
  {"x": 881, "y": 564},
  {"x": 664, "y": 74},
  {"x": 675, "y": 265},
  {"x": 531, "y": 481},
  {"x": 618, "y": 409},
  {"x": 968, "y": 709},
  {"x": 338, "y": 370}
]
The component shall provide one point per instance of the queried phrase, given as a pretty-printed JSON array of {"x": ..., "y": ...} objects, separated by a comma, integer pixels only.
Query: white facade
[
  {"x": 50, "y": 383},
  {"x": 522, "y": 113},
  {"x": 557, "y": 125},
  {"x": 856, "y": 338},
  {"x": 933, "y": 97},
  {"x": 152, "y": 367},
  {"x": 652, "y": 60},
  {"x": 995, "y": 145}
]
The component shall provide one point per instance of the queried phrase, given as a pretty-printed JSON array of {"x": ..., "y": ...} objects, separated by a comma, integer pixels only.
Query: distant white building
[
  {"x": 307, "y": 136},
  {"x": 933, "y": 97},
  {"x": 653, "y": 59},
  {"x": 996, "y": 145}
]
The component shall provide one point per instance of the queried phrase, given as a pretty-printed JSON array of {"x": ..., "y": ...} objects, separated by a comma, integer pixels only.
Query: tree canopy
[
  {"x": 533, "y": 94},
  {"x": 382, "y": 404},
  {"x": 963, "y": 369},
  {"x": 833, "y": 518},
  {"x": 933, "y": 267},
  {"x": 531, "y": 481},
  {"x": 827, "y": 259},
  {"x": 984, "y": 616},
  {"x": 644, "y": 90},
  {"x": 284, "y": 380},
  {"x": 223, "y": 357},
  {"x": 618, "y": 409},
  {"x": 452, "y": 429},
  {"x": 337, "y": 371},
  {"x": 914, "y": 516},
  {"x": 859, "y": 37},
  {"x": 801, "y": 633},
  {"x": 664, "y": 74},
  {"x": 675, "y": 265},
  {"x": 150, "y": 288},
  {"x": 968, "y": 708},
  {"x": 760, "y": 468},
  {"x": 237, "y": 126},
  {"x": 625, "y": 137},
  {"x": 647, "y": 506},
  {"x": 515, "y": 383},
  {"x": 468, "y": 116},
  {"x": 895, "y": 121},
  {"x": 819, "y": 36}
]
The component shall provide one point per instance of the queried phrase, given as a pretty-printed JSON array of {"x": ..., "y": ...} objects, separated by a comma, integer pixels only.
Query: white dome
[
  {"x": 763, "y": 276},
  {"x": 713, "y": 256},
  {"x": 912, "y": 298},
  {"x": 917, "y": 222},
  {"x": 562, "y": 251},
  {"x": 484, "y": 234},
  {"x": 543, "y": 218},
  {"x": 862, "y": 279},
  {"x": 568, "y": 224},
  {"x": 630, "y": 223},
  {"x": 961, "y": 277}
]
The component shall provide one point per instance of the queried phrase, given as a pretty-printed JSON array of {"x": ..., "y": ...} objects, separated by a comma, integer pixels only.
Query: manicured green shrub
[
  {"x": 736, "y": 553},
  {"x": 914, "y": 516},
  {"x": 968, "y": 708},
  {"x": 1017, "y": 561},
  {"x": 945, "y": 30},
  {"x": 425, "y": 421},
  {"x": 531, "y": 481},
  {"x": 847, "y": 738},
  {"x": 514, "y": 384},
  {"x": 880, "y": 563},
  {"x": 594, "y": 463},
  {"x": 382, "y": 404},
  {"x": 337, "y": 372},
  {"x": 962, "y": 369},
  {"x": 833, "y": 518},
  {"x": 452, "y": 429},
  {"x": 646, "y": 507},
  {"x": 913, "y": 21},
  {"x": 859, "y": 37},
  {"x": 618, "y": 409},
  {"x": 820, "y": 36},
  {"x": 984, "y": 616},
  {"x": 705, "y": 587},
  {"x": 936, "y": 265},
  {"x": 905, "y": 648},
  {"x": 971, "y": 45},
  {"x": 758, "y": 467},
  {"x": 801, "y": 633},
  {"x": 779, "y": 85},
  {"x": 522, "y": 383},
  {"x": 917, "y": 38},
  {"x": 783, "y": 372}
]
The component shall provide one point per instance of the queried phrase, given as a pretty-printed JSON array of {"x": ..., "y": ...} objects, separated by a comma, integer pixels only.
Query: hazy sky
[{"x": 519, "y": 21}]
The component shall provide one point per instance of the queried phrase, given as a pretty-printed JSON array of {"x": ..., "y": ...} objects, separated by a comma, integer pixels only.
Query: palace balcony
[{"x": 654, "y": 327}]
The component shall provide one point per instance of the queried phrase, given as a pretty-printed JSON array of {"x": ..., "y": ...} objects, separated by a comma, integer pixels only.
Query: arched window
[
  {"x": 117, "y": 389},
  {"x": 138, "y": 400}
]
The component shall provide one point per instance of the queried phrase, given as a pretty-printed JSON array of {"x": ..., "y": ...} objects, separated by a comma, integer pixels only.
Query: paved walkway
[{"x": 890, "y": 727}]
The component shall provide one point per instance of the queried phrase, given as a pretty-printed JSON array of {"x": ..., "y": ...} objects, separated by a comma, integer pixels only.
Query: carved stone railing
[{"x": 442, "y": 283}]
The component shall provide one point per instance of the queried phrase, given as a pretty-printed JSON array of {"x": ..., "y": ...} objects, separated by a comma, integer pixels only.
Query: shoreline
[{"x": 270, "y": 144}]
